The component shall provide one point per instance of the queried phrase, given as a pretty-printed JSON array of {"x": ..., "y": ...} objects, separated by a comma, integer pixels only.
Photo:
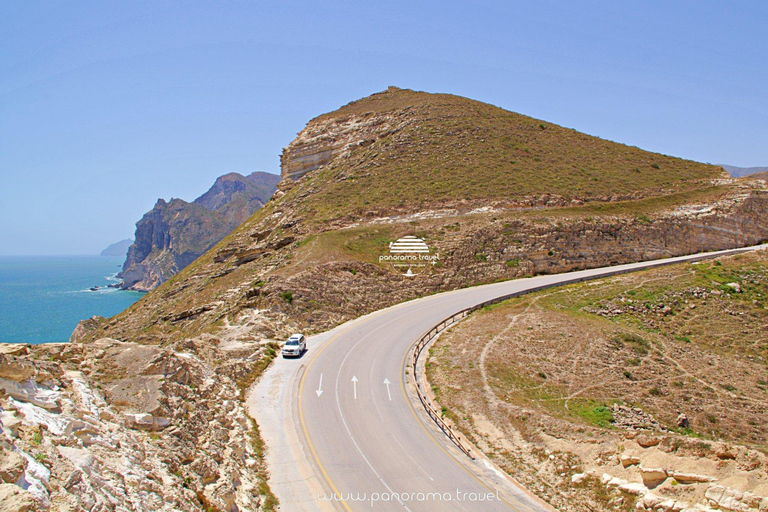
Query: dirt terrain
[{"x": 647, "y": 388}]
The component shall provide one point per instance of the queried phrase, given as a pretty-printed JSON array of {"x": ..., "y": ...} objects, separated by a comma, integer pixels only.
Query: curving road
[{"x": 345, "y": 432}]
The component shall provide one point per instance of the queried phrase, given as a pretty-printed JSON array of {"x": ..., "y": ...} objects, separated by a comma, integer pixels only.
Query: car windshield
[{"x": 292, "y": 342}]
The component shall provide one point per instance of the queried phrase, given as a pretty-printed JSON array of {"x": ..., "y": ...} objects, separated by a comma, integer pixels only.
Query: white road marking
[
  {"x": 386, "y": 383},
  {"x": 319, "y": 390},
  {"x": 354, "y": 384}
]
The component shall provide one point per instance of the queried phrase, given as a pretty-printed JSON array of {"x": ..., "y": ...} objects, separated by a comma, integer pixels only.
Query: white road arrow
[
  {"x": 354, "y": 383},
  {"x": 319, "y": 389},
  {"x": 386, "y": 383}
]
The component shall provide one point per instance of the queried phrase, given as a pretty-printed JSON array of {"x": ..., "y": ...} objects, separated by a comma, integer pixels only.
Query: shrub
[{"x": 287, "y": 297}]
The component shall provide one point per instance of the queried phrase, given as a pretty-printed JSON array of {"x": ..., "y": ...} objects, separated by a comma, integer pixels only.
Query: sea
[{"x": 43, "y": 297}]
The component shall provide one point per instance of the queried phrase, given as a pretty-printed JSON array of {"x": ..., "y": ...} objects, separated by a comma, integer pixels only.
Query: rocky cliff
[{"x": 173, "y": 234}]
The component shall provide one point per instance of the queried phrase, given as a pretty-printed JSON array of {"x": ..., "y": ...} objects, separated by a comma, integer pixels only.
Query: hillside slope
[
  {"x": 498, "y": 195},
  {"x": 660, "y": 368},
  {"x": 173, "y": 234}
]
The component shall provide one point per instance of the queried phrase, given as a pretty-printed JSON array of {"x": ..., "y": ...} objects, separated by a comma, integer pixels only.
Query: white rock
[
  {"x": 79, "y": 457},
  {"x": 30, "y": 391},
  {"x": 34, "y": 415},
  {"x": 691, "y": 478},
  {"x": 615, "y": 482},
  {"x": 578, "y": 477},
  {"x": 634, "y": 488},
  {"x": 145, "y": 421},
  {"x": 653, "y": 476},
  {"x": 35, "y": 479},
  {"x": 629, "y": 460}
]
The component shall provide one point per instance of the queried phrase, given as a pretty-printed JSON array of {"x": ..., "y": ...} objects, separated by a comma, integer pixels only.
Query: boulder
[
  {"x": 723, "y": 451},
  {"x": 12, "y": 465},
  {"x": 652, "y": 477},
  {"x": 691, "y": 478},
  {"x": 15, "y": 499},
  {"x": 10, "y": 423},
  {"x": 578, "y": 477},
  {"x": 682, "y": 421},
  {"x": 633, "y": 488},
  {"x": 629, "y": 460},
  {"x": 647, "y": 441},
  {"x": 145, "y": 421},
  {"x": 15, "y": 369},
  {"x": 14, "y": 349},
  {"x": 80, "y": 458},
  {"x": 731, "y": 499}
]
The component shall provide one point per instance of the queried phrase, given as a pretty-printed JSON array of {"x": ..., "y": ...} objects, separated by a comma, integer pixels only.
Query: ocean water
[{"x": 43, "y": 297}]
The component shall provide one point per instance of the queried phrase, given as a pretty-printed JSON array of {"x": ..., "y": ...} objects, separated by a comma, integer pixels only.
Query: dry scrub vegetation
[{"x": 560, "y": 382}]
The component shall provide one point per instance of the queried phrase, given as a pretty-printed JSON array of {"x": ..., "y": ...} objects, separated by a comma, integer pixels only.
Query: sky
[{"x": 107, "y": 106}]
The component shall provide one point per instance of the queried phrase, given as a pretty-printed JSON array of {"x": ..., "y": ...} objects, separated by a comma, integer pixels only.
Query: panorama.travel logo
[{"x": 410, "y": 255}]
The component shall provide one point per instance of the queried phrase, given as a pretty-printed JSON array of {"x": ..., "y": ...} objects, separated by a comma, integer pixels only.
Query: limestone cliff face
[
  {"x": 173, "y": 234},
  {"x": 325, "y": 139}
]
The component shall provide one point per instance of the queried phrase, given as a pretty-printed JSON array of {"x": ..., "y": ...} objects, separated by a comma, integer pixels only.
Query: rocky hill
[
  {"x": 117, "y": 249},
  {"x": 738, "y": 172},
  {"x": 498, "y": 195},
  {"x": 495, "y": 195},
  {"x": 175, "y": 233}
]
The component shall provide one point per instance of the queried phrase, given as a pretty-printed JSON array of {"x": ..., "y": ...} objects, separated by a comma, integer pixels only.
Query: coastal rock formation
[{"x": 174, "y": 233}]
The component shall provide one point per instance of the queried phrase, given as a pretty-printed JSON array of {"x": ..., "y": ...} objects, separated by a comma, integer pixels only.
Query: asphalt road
[{"x": 345, "y": 432}]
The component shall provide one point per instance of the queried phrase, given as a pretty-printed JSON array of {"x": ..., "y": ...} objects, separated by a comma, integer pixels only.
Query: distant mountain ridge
[
  {"x": 174, "y": 233},
  {"x": 738, "y": 172},
  {"x": 117, "y": 249}
]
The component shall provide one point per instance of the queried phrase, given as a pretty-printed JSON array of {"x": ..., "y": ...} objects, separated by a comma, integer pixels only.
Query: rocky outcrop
[
  {"x": 175, "y": 233},
  {"x": 104, "y": 424},
  {"x": 322, "y": 141}
]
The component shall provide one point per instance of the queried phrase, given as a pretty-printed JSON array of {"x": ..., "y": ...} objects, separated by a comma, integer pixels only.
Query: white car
[{"x": 296, "y": 345}]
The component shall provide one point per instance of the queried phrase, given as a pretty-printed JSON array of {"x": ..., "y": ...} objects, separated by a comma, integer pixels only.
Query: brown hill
[{"x": 498, "y": 195}]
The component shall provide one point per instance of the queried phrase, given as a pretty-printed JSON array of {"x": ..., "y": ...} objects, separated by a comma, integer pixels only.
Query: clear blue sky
[{"x": 106, "y": 106}]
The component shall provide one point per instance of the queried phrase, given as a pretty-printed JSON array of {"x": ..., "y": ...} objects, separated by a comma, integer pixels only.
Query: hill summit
[
  {"x": 496, "y": 194},
  {"x": 403, "y": 150}
]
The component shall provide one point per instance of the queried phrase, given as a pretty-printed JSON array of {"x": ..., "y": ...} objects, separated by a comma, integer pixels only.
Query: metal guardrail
[{"x": 430, "y": 335}]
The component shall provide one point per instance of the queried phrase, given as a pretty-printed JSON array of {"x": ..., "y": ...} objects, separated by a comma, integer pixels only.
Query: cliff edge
[{"x": 175, "y": 233}]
